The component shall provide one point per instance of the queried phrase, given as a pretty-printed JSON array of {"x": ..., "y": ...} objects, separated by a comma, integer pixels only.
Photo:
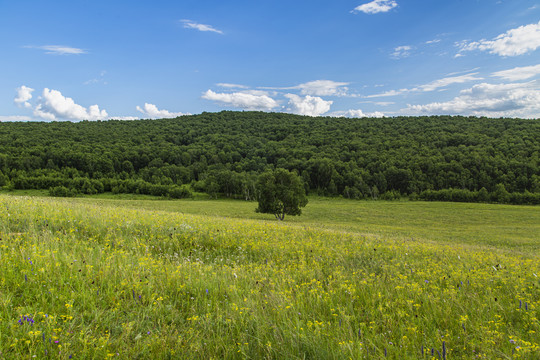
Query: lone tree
[{"x": 280, "y": 192}]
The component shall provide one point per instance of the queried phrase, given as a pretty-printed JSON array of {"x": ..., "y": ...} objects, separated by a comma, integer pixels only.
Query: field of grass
[
  {"x": 504, "y": 226},
  {"x": 141, "y": 279}
]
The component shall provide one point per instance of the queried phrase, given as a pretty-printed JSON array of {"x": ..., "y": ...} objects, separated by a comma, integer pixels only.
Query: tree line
[{"x": 449, "y": 158}]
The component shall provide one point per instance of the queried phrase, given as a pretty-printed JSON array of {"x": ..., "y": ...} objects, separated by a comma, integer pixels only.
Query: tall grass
[{"x": 101, "y": 281}]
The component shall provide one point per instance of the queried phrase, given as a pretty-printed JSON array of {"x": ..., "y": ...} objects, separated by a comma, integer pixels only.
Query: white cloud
[
  {"x": 434, "y": 41},
  {"x": 463, "y": 72},
  {"x": 189, "y": 24},
  {"x": 518, "y": 73},
  {"x": 389, "y": 93},
  {"x": 59, "y": 49},
  {"x": 231, "y": 86},
  {"x": 514, "y": 42},
  {"x": 24, "y": 94},
  {"x": 492, "y": 100},
  {"x": 15, "y": 118},
  {"x": 401, "y": 52},
  {"x": 308, "y": 105},
  {"x": 318, "y": 88},
  {"x": 100, "y": 79},
  {"x": 357, "y": 114},
  {"x": 53, "y": 105},
  {"x": 124, "y": 118},
  {"x": 432, "y": 86},
  {"x": 257, "y": 92},
  {"x": 376, "y": 6},
  {"x": 243, "y": 100},
  {"x": 323, "y": 88},
  {"x": 379, "y": 103},
  {"x": 444, "y": 82},
  {"x": 152, "y": 112}
]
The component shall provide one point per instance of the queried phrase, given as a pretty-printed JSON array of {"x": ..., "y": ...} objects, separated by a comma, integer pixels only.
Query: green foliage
[
  {"x": 391, "y": 195},
  {"x": 179, "y": 192},
  {"x": 280, "y": 192},
  {"x": 62, "y": 191},
  {"x": 500, "y": 195},
  {"x": 3, "y": 179},
  {"x": 223, "y": 153}
]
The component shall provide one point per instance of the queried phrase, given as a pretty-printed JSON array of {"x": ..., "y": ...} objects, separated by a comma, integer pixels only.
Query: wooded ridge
[{"x": 434, "y": 158}]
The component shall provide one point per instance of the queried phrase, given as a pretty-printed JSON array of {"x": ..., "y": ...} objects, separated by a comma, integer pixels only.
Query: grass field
[
  {"x": 504, "y": 226},
  {"x": 138, "y": 279}
]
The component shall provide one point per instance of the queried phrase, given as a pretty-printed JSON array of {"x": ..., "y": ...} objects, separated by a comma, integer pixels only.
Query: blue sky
[{"x": 75, "y": 60}]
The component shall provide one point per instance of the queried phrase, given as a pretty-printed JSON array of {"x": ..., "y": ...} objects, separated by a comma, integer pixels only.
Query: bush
[
  {"x": 391, "y": 195},
  {"x": 62, "y": 191},
  {"x": 500, "y": 194},
  {"x": 179, "y": 192}
]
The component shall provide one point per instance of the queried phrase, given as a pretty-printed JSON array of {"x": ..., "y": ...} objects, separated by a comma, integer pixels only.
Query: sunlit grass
[
  {"x": 504, "y": 226},
  {"x": 97, "y": 279}
]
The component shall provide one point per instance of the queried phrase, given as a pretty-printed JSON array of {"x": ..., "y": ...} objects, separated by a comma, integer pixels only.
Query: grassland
[
  {"x": 516, "y": 228},
  {"x": 139, "y": 279}
]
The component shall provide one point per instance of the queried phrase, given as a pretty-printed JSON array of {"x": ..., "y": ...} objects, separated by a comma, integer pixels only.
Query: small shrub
[{"x": 62, "y": 191}]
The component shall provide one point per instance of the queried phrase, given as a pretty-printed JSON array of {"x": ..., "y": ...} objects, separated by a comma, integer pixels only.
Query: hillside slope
[{"x": 223, "y": 152}]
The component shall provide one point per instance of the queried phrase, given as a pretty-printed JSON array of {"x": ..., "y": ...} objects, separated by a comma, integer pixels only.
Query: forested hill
[{"x": 222, "y": 153}]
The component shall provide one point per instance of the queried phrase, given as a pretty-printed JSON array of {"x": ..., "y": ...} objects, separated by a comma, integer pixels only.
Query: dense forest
[{"x": 431, "y": 158}]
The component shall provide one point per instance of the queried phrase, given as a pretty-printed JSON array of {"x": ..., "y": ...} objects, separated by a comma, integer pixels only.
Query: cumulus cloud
[
  {"x": 514, "y": 42},
  {"x": 308, "y": 105},
  {"x": 152, "y": 112},
  {"x": 243, "y": 100},
  {"x": 52, "y": 105},
  {"x": 492, "y": 100},
  {"x": 518, "y": 73},
  {"x": 376, "y": 6},
  {"x": 401, "y": 52},
  {"x": 24, "y": 94},
  {"x": 357, "y": 114},
  {"x": 189, "y": 24},
  {"x": 59, "y": 49}
]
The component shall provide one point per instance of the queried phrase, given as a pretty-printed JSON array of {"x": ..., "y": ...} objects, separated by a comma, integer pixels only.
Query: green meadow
[
  {"x": 143, "y": 278},
  {"x": 516, "y": 228}
]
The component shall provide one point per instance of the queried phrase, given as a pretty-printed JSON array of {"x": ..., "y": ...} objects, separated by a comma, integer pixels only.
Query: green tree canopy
[
  {"x": 222, "y": 154},
  {"x": 280, "y": 192}
]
